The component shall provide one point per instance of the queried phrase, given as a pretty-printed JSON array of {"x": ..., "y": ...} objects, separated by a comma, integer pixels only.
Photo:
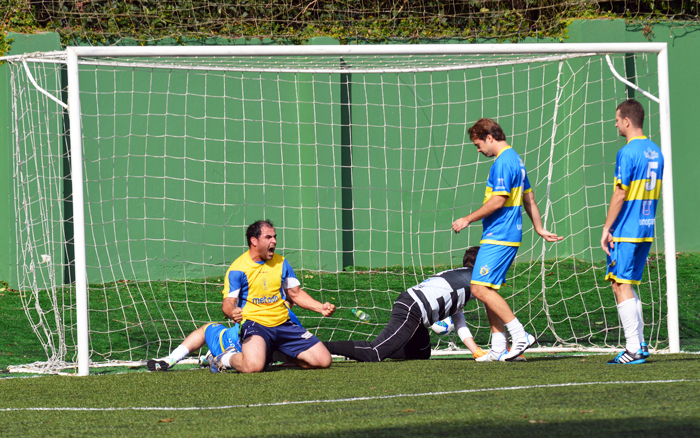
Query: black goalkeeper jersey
[{"x": 443, "y": 294}]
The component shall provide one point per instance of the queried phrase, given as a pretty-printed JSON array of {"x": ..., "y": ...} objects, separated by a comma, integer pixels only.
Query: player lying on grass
[
  {"x": 406, "y": 335},
  {"x": 216, "y": 336}
]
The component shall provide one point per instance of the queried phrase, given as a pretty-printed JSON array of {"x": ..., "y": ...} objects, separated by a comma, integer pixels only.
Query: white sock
[
  {"x": 640, "y": 324},
  {"x": 226, "y": 359},
  {"x": 498, "y": 342},
  {"x": 515, "y": 329},
  {"x": 629, "y": 319},
  {"x": 177, "y": 355}
]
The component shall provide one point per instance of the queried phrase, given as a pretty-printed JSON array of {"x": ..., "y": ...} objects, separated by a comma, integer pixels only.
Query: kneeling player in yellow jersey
[
  {"x": 217, "y": 337},
  {"x": 255, "y": 289}
]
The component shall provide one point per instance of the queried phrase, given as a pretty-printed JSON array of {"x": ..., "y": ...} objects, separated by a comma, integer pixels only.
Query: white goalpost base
[{"x": 137, "y": 170}]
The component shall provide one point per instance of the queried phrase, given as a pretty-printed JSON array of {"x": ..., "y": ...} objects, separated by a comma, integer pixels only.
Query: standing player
[
  {"x": 507, "y": 190},
  {"x": 629, "y": 226},
  {"x": 255, "y": 289},
  {"x": 406, "y": 335}
]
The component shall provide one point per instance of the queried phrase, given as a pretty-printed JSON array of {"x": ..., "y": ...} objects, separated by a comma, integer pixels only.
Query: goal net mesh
[{"x": 361, "y": 162}]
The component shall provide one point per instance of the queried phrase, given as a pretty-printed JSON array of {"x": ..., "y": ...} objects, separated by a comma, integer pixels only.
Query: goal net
[{"x": 137, "y": 171}]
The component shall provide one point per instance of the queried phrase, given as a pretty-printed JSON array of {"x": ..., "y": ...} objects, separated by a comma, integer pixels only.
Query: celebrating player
[
  {"x": 629, "y": 226},
  {"x": 507, "y": 189},
  {"x": 255, "y": 289},
  {"x": 406, "y": 335}
]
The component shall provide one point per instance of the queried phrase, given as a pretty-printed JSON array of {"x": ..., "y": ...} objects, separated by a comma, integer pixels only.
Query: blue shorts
[
  {"x": 219, "y": 337},
  {"x": 289, "y": 338},
  {"x": 626, "y": 262},
  {"x": 492, "y": 264}
]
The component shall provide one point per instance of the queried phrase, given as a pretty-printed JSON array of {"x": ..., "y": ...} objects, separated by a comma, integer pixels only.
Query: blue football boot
[{"x": 627, "y": 358}]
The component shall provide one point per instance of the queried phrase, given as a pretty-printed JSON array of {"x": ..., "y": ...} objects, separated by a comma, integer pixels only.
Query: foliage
[
  {"x": 17, "y": 16},
  {"x": 349, "y": 21}
]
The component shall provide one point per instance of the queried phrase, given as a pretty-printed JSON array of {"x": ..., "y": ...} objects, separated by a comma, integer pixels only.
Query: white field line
[{"x": 346, "y": 400}]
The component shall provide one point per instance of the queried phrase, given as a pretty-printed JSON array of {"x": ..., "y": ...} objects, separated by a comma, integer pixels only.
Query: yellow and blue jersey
[
  {"x": 259, "y": 288},
  {"x": 639, "y": 169},
  {"x": 507, "y": 177}
]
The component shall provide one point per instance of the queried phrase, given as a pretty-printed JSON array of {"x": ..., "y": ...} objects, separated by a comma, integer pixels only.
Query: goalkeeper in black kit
[{"x": 406, "y": 336}]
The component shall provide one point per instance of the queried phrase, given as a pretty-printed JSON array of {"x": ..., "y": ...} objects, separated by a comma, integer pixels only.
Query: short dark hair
[
  {"x": 255, "y": 229},
  {"x": 470, "y": 256},
  {"x": 485, "y": 127},
  {"x": 632, "y": 110}
]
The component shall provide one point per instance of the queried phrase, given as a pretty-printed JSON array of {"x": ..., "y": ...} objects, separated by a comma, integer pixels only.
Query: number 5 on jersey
[{"x": 651, "y": 175}]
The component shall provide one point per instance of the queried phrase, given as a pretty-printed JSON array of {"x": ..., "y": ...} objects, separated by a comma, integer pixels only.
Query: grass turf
[
  {"x": 149, "y": 319},
  {"x": 395, "y": 394},
  {"x": 384, "y": 399}
]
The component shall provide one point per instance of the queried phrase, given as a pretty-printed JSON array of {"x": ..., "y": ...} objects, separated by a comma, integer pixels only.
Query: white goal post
[{"x": 133, "y": 195}]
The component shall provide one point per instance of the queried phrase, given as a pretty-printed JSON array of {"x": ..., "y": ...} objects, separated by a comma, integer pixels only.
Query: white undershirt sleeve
[
  {"x": 289, "y": 283},
  {"x": 461, "y": 326}
]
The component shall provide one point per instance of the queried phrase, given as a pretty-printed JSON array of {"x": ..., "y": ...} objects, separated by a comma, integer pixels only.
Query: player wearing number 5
[
  {"x": 629, "y": 227},
  {"x": 507, "y": 191}
]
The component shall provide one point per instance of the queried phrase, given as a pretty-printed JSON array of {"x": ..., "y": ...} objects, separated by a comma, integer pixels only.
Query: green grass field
[
  {"x": 547, "y": 396},
  {"x": 550, "y": 395},
  {"x": 148, "y": 319}
]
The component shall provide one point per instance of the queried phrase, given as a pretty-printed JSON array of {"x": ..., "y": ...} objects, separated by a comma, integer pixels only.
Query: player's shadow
[{"x": 528, "y": 427}]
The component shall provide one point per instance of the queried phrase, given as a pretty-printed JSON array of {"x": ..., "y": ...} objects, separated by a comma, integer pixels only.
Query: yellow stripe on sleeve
[
  {"x": 490, "y": 193},
  {"x": 487, "y": 194},
  {"x": 618, "y": 182}
]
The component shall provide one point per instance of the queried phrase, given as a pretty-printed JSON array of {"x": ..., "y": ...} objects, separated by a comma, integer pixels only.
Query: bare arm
[
  {"x": 618, "y": 199},
  {"x": 531, "y": 209},
  {"x": 306, "y": 301},
  {"x": 230, "y": 310},
  {"x": 493, "y": 204}
]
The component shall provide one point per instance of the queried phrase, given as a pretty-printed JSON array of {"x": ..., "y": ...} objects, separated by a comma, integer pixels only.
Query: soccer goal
[{"x": 137, "y": 170}]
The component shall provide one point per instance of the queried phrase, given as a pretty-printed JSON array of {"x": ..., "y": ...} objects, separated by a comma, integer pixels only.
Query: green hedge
[{"x": 148, "y": 21}]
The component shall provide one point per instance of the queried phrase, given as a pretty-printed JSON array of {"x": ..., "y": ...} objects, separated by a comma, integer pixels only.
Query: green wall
[
  {"x": 8, "y": 225},
  {"x": 683, "y": 41},
  {"x": 352, "y": 175}
]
